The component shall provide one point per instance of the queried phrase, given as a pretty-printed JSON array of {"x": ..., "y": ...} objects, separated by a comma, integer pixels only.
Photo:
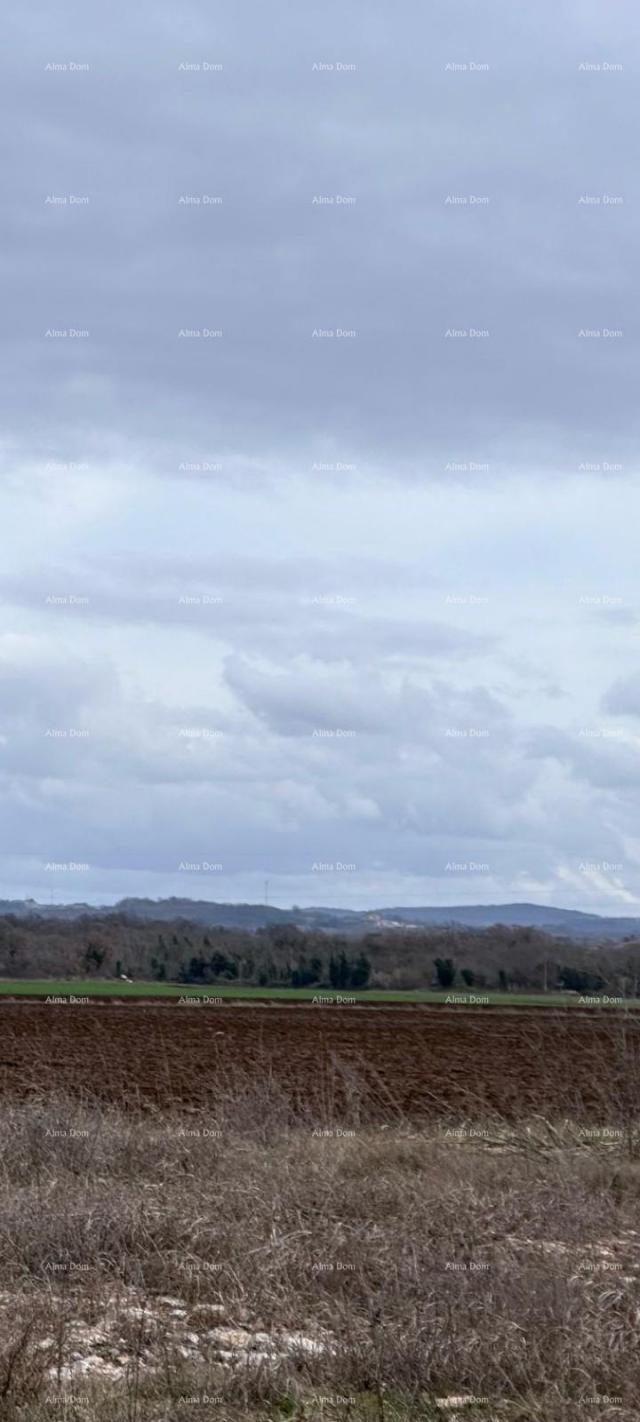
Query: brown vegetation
[
  {"x": 500, "y": 1263},
  {"x": 417, "y": 1248}
]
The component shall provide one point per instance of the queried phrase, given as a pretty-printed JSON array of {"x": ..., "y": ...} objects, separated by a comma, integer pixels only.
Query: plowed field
[{"x": 418, "y": 1061}]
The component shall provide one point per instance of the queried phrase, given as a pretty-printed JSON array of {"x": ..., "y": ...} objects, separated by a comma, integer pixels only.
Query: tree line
[{"x": 511, "y": 959}]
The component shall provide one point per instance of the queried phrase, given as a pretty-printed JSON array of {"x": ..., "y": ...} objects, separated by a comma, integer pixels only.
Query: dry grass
[{"x": 455, "y": 1258}]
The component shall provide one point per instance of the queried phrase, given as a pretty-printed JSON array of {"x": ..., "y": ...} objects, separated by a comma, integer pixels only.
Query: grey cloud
[
  {"x": 623, "y": 698},
  {"x": 267, "y": 267},
  {"x": 266, "y": 605},
  {"x": 354, "y": 481},
  {"x": 594, "y": 755}
]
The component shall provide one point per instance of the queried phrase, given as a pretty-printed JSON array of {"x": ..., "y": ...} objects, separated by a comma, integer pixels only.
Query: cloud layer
[{"x": 319, "y": 431}]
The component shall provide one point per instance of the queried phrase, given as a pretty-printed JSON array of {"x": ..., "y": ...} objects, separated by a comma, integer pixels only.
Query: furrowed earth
[{"x": 412, "y": 1062}]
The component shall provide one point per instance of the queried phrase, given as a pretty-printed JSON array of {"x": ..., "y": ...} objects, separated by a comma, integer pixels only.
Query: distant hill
[{"x": 564, "y": 922}]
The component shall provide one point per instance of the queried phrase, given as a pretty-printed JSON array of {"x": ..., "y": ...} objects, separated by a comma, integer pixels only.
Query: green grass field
[{"x": 114, "y": 987}]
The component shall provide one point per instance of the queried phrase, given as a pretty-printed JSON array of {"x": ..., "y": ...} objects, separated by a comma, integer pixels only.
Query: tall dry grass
[{"x": 459, "y": 1256}]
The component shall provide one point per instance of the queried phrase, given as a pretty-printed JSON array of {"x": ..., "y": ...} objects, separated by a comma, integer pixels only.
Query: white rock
[
  {"x": 297, "y": 1342},
  {"x": 231, "y": 1337},
  {"x": 84, "y": 1367},
  {"x": 455, "y": 1401},
  {"x": 264, "y": 1341}
]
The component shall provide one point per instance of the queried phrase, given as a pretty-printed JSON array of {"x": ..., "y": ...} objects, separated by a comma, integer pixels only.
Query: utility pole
[{"x": 266, "y": 893}]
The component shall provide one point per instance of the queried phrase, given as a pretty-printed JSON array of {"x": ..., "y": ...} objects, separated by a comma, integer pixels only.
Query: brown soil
[{"x": 421, "y": 1063}]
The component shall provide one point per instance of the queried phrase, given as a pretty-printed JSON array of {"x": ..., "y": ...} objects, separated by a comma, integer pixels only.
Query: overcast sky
[{"x": 319, "y": 445}]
